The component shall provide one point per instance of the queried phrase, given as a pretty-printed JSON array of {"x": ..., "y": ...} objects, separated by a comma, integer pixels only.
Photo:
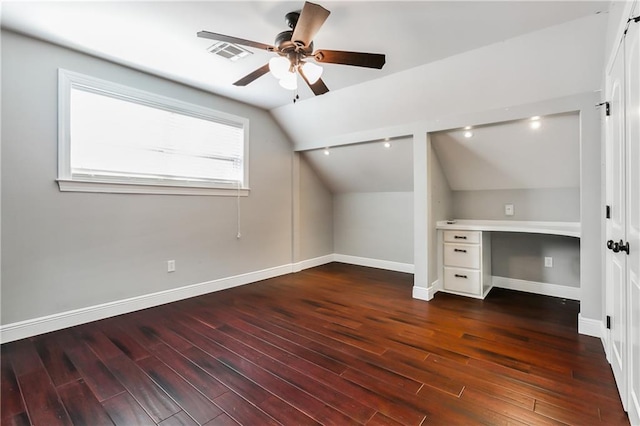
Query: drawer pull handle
[
  {"x": 460, "y": 237},
  {"x": 460, "y": 250},
  {"x": 460, "y": 276}
]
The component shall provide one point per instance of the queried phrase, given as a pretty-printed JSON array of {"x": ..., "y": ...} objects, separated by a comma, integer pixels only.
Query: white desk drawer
[
  {"x": 467, "y": 237},
  {"x": 462, "y": 280},
  {"x": 462, "y": 255}
]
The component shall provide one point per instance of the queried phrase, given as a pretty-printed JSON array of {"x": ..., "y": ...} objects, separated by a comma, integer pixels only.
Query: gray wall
[
  {"x": 545, "y": 204},
  {"x": 64, "y": 251},
  {"x": 521, "y": 256},
  {"x": 375, "y": 225},
  {"x": 316, "y": 214}
]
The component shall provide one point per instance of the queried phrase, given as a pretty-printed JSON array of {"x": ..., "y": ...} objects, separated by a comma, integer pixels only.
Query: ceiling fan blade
[
  {"x": 318, "y": 88},
  {"x": 252, "y": 76},
  {"x": 235, "y": 40},
  {"x": 311, "y": 19},
  {"x": 358, "y": 59}
]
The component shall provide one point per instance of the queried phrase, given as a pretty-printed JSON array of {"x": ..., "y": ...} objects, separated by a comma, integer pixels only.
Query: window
[{"x": 114, "y": 138}]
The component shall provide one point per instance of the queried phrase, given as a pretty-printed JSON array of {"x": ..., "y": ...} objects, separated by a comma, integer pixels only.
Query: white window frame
[{"x": 68, "y": 80}]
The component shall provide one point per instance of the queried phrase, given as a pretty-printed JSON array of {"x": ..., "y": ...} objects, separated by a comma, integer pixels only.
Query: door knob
[
  {"x": 615, "y": 247},
  {"x": 623, "y": 246}
]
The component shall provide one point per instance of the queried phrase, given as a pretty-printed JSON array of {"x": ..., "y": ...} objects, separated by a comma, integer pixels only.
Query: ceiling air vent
[{"x": 230, "y": 51}]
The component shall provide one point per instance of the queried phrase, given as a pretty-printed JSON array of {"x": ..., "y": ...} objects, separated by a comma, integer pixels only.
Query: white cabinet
[{"x": 466, "y": 262}]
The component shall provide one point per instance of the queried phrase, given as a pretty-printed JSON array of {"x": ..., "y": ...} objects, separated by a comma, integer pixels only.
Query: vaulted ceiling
[{"x": 160, "y": 36}]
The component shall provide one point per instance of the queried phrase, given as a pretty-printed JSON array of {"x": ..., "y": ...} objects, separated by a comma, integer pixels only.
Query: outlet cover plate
[{"x": 508, "y": 210}]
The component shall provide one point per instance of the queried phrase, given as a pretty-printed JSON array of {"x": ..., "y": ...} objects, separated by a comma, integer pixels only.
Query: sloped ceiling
[
  {"x": 548, "y": 64},
  {"x": 160, "y": 36},
  {"x": 507, "y": 155},
  {"x": 512, "y": 155},
  {"x": 365, "y": 167}
]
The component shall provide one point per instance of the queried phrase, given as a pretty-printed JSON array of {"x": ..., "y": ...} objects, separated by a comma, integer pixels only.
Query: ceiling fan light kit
[
  {"x": 279, "y": 66},
  {"x": 289, "y": 81},
  {"x": 296, "y": 45}
]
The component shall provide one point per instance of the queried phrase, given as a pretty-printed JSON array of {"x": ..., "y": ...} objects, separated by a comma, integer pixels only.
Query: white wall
[
  {"x": 440, "y": 207},
  {"x": 68, "y": 251},
  {"x": 374, "y": 225}
]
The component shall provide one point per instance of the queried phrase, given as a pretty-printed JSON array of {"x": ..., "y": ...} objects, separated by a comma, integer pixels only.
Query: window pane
[{"x": 113, "y": 137}]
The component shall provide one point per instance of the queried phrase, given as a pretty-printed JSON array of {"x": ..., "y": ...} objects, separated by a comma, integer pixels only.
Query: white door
[
  {"x": 632, "y": 99},
  {"x": 616, "y": 301}
]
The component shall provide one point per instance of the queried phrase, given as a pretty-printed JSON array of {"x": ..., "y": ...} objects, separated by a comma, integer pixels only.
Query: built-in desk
[{"x": 464, "y": 250}]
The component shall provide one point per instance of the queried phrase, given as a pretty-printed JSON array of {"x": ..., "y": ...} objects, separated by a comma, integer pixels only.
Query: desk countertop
[{"x": 569, "y": 229}]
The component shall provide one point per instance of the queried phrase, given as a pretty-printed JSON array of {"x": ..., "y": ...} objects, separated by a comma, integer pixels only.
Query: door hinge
[
  {"x": 608, "y": 322},
  {"x": 607, "y": 108},
  {"x": 608, "y": 212}
]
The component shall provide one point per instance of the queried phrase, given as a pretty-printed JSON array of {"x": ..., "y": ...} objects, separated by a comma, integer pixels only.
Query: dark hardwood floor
[{"x": 335, "y": 345}]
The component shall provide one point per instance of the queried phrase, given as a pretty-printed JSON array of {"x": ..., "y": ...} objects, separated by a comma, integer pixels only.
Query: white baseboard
[
  {"x": 35, "y": 326},
  {"x": 421, "y": 293},
  {"x": 590, "y": 327},
  {"x": 58, "y": 321},
  {"x": 555, "y": 290},
  {"x": 374, "y": 263},
  {"x": 427, "y": 294},
  {"x": 312, "y": 263},
  {"x": 435, "y": 287},
  {"x": 604, "y": 337}
]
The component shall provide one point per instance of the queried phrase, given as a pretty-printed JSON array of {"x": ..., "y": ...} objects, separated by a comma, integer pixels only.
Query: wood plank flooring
[{"x": 333, "y": 345}]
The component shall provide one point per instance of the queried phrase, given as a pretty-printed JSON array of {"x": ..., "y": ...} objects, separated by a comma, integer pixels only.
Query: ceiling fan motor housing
[{"x": 284, "y": 44}]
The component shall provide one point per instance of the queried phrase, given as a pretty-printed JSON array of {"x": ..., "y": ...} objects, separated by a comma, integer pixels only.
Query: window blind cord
[{"x": 239, "y": 234}]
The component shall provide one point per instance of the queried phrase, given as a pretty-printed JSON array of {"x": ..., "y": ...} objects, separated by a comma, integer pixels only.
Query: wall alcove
[{"x": 531, "y": 164}]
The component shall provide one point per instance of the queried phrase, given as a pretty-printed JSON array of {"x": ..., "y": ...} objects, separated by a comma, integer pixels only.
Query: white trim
[
  {"x": 421, "y": 293},
  {"x": 546, "y": 289},
  {"x": 75, "y": 185},
  {"x": 436, "y": 286},
  {"x": 374, "y": 263},
  {"x": 590, "y": 327},
  {"x": 58, "y": 321},
  {"x": 312, "y": 263},
  {"x": 35, "y": 326},
  {"x": 604, "y": 337},
  {"x": 68, "y": 80}
]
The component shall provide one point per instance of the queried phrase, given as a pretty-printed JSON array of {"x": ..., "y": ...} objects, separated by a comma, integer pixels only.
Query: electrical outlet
[
  {"x": 171, "y": 265},
  {"x": 508, "y": 210},
  {"x": 548, "y": 262}
]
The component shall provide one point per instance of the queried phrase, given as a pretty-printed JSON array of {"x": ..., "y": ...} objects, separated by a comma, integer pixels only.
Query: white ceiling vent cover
[{"x": 229, "y": 51}]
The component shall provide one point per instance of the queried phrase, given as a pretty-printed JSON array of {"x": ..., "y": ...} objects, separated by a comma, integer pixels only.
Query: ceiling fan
[{"x": 295, "y": 46}]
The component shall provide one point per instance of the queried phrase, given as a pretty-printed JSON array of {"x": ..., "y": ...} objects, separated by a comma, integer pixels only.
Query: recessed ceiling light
[{"x": 468, "y": 134}]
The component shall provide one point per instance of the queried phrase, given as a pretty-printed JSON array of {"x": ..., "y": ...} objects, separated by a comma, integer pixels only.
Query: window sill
[{"x": 66, "y": 185}]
